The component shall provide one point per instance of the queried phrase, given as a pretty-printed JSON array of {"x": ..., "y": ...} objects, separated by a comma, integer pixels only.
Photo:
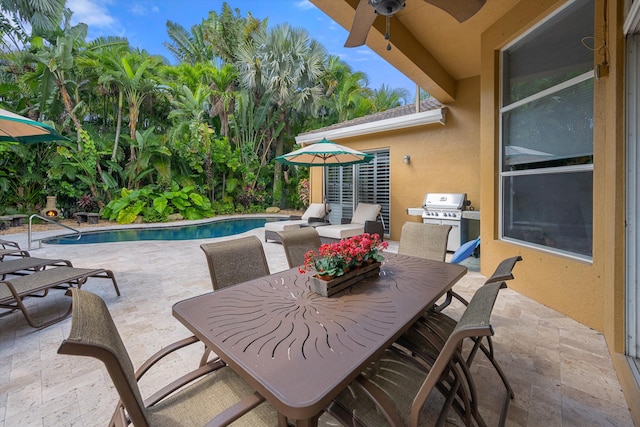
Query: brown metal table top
[{"x": 300, "y": 349}]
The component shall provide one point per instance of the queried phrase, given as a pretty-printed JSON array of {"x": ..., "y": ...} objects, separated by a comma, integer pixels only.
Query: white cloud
[
  {"x": 304, "y": 5},
  {"x": 94, "y": 13},
  {"x": 138, "y": 9},
  {"x": 143, "y": 8}
]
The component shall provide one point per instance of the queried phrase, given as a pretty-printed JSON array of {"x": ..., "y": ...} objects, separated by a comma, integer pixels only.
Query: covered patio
[{"x": 561, "y": 370}]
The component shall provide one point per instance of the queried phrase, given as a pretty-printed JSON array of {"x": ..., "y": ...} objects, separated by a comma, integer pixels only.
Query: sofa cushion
[
  {"x": 340, "y": 231},
  {"x": 315, "y": 210},
  {"x": 365, "y": 212},
  {"x": 284, "y": 225}
]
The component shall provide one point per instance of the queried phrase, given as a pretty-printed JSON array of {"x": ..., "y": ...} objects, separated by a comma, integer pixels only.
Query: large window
[{"x": 546, "y": 118}]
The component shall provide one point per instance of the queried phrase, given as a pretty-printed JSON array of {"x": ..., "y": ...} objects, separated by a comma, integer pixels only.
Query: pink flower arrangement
[{"x": 336, "y": 259}]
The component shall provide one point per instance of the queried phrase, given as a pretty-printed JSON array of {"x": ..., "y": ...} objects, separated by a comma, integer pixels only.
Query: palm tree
[
  {"x": 226, "y": 31},
  {"x": 386, "y": 98},
  {"x": 190, "y": 111},
  {"x": 43, "y": 16},
  {"x": 96, "y": 62},
  {"x": 188, "y": 47},
  {"x": 285, "y": 65},
  {"x": 58, "y": 64},
  {"x": 346, "y": 91},
  {"x": 132, "y": 73},
  {"x": 223, "y": 84}
]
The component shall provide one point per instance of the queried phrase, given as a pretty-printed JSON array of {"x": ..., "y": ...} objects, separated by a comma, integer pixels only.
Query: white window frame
[
  {"x": 529, "y": 172},
  {"x": 632, "y": 230}
]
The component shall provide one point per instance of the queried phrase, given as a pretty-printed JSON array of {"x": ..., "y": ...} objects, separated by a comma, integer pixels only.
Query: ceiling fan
[{"x": 367, "y": 11}]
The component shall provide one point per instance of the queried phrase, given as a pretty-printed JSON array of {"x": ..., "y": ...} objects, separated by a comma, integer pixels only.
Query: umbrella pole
[{"x": 324, "y": 189}]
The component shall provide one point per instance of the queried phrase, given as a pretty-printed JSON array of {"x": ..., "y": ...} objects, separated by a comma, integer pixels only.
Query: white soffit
[{"x": 402, "y": 122}]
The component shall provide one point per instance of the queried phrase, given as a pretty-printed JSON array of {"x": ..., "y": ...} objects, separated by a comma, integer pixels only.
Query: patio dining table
[{"x": 299, "y": 349}]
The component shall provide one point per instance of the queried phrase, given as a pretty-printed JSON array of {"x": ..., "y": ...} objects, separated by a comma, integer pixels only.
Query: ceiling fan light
[{"x": 387, "y": 7}]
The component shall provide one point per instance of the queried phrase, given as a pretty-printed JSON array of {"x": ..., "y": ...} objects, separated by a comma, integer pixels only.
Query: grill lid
[{"x": 444, "y": 201}]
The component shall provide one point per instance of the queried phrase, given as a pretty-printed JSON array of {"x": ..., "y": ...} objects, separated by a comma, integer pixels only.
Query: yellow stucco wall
[
  {"x": 443, "y": 158},
  {"x": 574, "y": 288},
  {"x": 592, "y": 293}
]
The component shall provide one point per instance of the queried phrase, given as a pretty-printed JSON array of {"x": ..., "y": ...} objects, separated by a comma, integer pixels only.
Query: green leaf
[
  {"x": 160, "y": 204},
  {"x": 127, "y": 216},
  {"x": 197, "y": 199}
]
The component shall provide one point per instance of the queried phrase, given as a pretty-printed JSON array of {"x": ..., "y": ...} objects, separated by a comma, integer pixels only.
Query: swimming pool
[{"x": 206, "y": 230}]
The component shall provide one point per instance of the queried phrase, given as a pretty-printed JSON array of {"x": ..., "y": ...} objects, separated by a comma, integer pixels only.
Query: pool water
[{"x": 220, "y": 228}]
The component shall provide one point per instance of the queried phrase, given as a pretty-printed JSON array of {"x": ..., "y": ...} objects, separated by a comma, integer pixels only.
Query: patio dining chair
[
  {"x": 441, "y": 326},
  {"x": 398, "y": 388},
  {"x": 428, "y": 241},
  {"x": 212, "y": 393},
  {"x": 234, "y": 261},
  {"x": 298, "y": 242}
]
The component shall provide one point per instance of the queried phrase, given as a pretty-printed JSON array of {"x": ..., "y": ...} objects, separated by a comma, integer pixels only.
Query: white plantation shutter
[{"x": 372, "y": 184}]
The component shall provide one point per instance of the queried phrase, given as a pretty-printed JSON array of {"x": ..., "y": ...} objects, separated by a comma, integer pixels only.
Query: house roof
[{"x": 430, "y": 111}]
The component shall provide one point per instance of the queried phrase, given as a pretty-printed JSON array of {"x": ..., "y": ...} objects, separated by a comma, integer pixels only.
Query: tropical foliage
[{"x": 153, "y": 139}]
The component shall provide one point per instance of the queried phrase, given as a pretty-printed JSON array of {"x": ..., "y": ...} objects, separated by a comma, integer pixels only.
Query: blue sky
[{"x": 142, "y": 22}]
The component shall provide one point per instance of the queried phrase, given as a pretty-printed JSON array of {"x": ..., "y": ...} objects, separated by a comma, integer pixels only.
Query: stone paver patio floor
[{"x": 560, "y": 370}]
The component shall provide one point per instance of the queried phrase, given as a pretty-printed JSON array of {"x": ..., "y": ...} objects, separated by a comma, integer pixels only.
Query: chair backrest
[
  {"x": 315, "y": 210},
  {"x": 365, "y": 212},
  {"x": 5, "y": 243},
  {"x": 94, "y": 334},
  {"x": 428, "y": 241},
  {"x": 235, "y": 261},
  {"x": 504, "y": 270},
  {"x": 475, "y": 322},
  {"x": 297, "y": 242}
]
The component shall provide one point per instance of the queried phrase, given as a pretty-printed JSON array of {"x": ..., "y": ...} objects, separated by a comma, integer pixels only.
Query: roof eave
[{"x": 436, "y": 115}]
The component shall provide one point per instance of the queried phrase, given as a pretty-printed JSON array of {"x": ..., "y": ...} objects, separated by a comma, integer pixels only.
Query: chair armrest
[
  {"x": 182, "y": 381},
  {"x": 374, "y": 227},
  {"x": 162, "y": 353}
]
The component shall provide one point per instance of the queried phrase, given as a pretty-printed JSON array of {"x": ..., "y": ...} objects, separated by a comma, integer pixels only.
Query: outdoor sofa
[
  {"x": 315, "y": 214},
  {"x": 363, "y": 221}
]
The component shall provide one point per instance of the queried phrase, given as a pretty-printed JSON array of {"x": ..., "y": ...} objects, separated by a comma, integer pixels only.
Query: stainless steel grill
[{"x": 446, "y": 209}]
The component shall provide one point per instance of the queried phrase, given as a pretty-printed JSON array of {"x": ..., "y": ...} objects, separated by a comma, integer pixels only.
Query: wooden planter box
[{"x": 329, "y": 287}]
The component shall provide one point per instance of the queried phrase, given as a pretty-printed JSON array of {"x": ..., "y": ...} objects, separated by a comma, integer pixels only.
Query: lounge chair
[
  {"x": 14, "y": 290},
  {"x": 315, "y": 214},
  {"x": 394, "y": 389},
  {"x": 27, "y": 265},
  {"x": 298, "y": 242},
  {"x": 211, "y": 392},
  {"x": 363, "y": 220},
  {"x": 9, "y": 248}
]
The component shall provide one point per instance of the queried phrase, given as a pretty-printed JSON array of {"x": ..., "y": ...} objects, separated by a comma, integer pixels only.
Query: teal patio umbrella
[
  {"x": 324, "y": 153},
  {"x": 15, "y": 128}
]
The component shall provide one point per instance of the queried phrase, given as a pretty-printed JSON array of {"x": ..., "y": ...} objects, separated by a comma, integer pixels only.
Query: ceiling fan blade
[
  {"x": 459, "y": 9},
  {"x": 362, "y": 22}
]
